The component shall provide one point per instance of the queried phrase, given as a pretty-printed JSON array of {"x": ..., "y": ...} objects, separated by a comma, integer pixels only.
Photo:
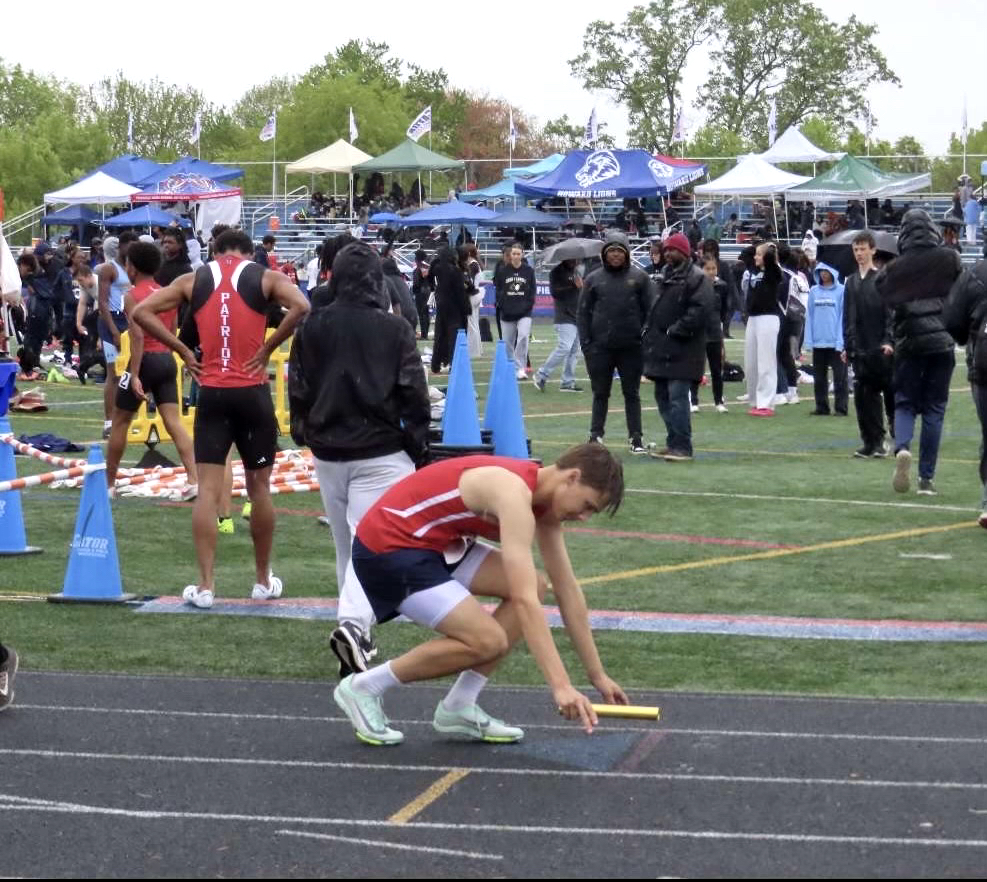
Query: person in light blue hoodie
[{"x": 824, "y": 336}]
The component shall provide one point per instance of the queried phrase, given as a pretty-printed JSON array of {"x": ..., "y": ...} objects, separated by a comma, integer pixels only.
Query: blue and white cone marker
[
  {"x": 460, "y": 422},
  {"x": 13, "y": 538},
  {"x": 93, "y": 571},
  {"x": 509, "y": 436},
  {"x": 500, "y": 369}
]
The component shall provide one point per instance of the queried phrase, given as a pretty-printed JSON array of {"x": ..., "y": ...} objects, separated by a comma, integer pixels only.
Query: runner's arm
[
  {"x": 572, "y": 606},
  {"x": 136, "y": 336},
  {"x": 107, "y": 275},
  {"x": 163, "y": 300}
]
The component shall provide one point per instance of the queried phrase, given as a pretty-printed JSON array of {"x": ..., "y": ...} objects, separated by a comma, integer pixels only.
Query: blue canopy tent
[
  {"x": 384, "y": 217},
  {"x": 192, "y": 166},
  {"x": 525, "y": 217},
  {"x": 610, "y": 174},
  {"x": 145, "y": 216},
  {"x": 130, "y": 169},
  {"x": 542, "y": 167},
  {"x": 453, "y": 212},
  {"x": 494, "y": 193},
  {"x": 77, "y": 216}
]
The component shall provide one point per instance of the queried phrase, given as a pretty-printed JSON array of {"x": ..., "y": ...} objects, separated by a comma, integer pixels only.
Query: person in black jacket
[
  {"x": 675, "y": 342},
  {"x": 422, "y": 287},
  {"x": 452, "y": 306},
  {"x": 916, "y": 285},
  {"x": 402, "y": 303},
  {"x": 766, "y": 299},
  {"x": 565, "y": 282},
  {"x": 358, "y": 398},
  {"x": 517, "y": 302},
  {"x": 868, "y": 338},
  {"x": 613, "y": 307}
]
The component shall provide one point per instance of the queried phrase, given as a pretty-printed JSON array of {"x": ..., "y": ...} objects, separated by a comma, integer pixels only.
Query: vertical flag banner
[
  {"x": 772, "y": 123},
  {"x": 354, "y": 132},
  {"x": 130, "y": 132},
  {"x": 421, "y": 124},
  {"x": 590, "y": 135},
  {"x": 270, "y": 128},
  {"x": 511, "y": 131},
  {"x": 679, "y": 133},
  {"x": 196, "y": 129}
]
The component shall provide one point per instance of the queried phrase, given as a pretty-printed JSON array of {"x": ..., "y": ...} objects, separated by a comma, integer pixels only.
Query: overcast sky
[{"x": 518, "y": 52}]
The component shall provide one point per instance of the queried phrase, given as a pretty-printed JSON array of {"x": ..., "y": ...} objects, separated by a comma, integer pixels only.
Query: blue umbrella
[
  {"x": 385, "y": 217},
  {"x": 454, "y": 212},
  {"x": 525, "y": 217},
  {"x": 144, "y": 216}
]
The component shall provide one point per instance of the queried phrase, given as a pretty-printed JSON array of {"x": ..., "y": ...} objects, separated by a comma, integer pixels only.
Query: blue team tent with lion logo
[{"x": 612, "y": 174}]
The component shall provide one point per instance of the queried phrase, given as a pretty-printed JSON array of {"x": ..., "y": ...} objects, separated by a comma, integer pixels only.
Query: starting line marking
[
  {"x": 432, "y": 794},
  {"x": 14, "y": 803},
  {"x": 567, "y": 727},
  {"x": 517, "y": 772},
  {"x": 400, "y": 846}
]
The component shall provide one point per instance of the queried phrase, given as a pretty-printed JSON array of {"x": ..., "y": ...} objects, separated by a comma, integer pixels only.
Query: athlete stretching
[
  {"x": 414, "y": 553},
  {"x": 229, "y": 299}
]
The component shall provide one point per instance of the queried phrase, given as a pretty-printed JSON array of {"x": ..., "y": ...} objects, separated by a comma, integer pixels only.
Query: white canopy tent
[
  {"x": 793, "y": 146},
  {"x": 751, "y": 176},
  {"x": 339, "y": 156},
  {"x": 97, "y": 189}
]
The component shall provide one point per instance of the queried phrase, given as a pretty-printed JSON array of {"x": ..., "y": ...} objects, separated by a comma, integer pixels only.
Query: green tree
[
  {"x": 711, "y": 141},
  {"x": 909, "y": 146},
  {"x": 24, "y": 95},
  {"x": 257, "y": 103},
  {"x": 561, "y": 135},
  {"x": 791, "y": 51},
  {"x": 364, "y": 59},
  {"x": 640, "y": 62}
]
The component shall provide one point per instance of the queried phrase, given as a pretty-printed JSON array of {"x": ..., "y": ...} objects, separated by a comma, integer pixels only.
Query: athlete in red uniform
[
  {"x": 415, "y": 553},
  {"x": 152, "y": 371},
  {"x": 229, "y": 298}
]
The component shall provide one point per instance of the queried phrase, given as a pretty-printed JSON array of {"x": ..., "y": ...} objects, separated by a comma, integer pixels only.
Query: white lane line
[
  {"x": 800, "y": 499},
  {"x": 489, "y": 770},
  {"x": 725, "y": 733},
  {"x": 376, "y": 843},
  {"x": 12, "y": 803}
]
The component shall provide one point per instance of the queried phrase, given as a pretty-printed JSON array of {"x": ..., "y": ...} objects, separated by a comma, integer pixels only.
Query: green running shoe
[
  {"x": 475, "y": 724},
  {"x": 366, "y": 713}
]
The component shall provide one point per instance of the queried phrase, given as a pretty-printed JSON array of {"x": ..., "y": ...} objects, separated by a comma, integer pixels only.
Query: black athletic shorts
[
  {"x": 159, "y": 377},
  {"x": 243, "y": 416}
]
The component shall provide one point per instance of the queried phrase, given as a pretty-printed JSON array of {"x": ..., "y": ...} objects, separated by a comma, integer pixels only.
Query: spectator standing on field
[
  {"x": 824, "y": 336},
  {"x": 516, "y": 306},
  {"x": 565, "y": 282}
]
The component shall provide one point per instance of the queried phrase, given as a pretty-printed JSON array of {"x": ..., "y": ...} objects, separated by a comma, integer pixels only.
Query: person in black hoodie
[
  {"x": 402, "y": 303},
  {"x": 613, "y": 307},
  {"x": 916, "y": 285},
  {"x": 517, "y": 302},
  {"x": 358, "y": 398},
  {"x": 675, "y": 342},
  {"x": 869, "y": 340},
  {"x": 565, "y": 282},
  {"x": 422, "y": 287},
  {"x": 452, "y": 306}
]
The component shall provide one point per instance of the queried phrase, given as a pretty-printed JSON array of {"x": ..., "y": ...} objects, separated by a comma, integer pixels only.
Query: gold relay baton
[{"x": 626, "y": 711}]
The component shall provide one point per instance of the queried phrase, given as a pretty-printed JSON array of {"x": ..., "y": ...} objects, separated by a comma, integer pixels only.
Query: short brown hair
[
  {"x": 865, "y": 237},
  {"x": 599, "y": 469}
]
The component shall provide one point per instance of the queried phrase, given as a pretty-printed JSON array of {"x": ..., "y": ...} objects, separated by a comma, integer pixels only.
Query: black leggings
[{"x": 714, "y": 355}]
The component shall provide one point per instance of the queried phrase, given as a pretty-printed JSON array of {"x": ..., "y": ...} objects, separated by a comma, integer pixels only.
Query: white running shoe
[
  {"x": 744, "y": 397},
  {"x": 263, "y": 592},
  {"x": 194, "y": 596},
  {"x": 902, "y": 466},
  {"x": 721, "y": 408},
  {"x": 779, "y": 400},
  {"x": 793, "y": 395},
  {"x": 366, "y": 713},
  {"x": 693, "y": 408},
  {"x": 475, "y": 724},
  {"x": 522, "y": 375}
]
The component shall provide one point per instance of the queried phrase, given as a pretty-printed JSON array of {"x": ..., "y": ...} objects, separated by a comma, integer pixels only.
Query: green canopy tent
[
  {"x": 855, "y": 178},
  {"x": 409, "y": 156}
]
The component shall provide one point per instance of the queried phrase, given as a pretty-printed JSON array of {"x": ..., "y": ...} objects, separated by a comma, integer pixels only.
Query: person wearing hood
[
  {"x": 358, "y": 398},
  {"x": 613, "y": 308},
  {"x": 675, "y": 342},
  {"x": 916, "y": 285},
  {"x": 824, "y": 336},
  {"x": 452, "y": 306},
  {"x": 402, "y": 303}
]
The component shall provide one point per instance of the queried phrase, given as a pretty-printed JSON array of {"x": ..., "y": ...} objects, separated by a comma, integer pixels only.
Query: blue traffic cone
[
  {"x": 13, "y": 539},
  {"x": 93, "y": 572},
  {"x": 8, "y": 377},
  {"x": 496, "y": 388},
  {"x": 460, "y": 423},
  {"x": 509, "y": 436}
]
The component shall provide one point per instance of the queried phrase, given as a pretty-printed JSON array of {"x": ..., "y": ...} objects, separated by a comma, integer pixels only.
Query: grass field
[{"x": 773, "y": 517}]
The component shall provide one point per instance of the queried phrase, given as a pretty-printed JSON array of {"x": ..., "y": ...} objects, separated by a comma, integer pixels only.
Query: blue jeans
[
  {"x": 921, "y": 387},
  {"x": 672, "y": 397},
  {"x": 567, "y": 350}
]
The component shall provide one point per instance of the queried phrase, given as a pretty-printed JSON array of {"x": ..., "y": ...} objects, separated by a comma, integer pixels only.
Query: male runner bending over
[
  {"x": 414, "y": 555},
  {"x": 228, "y": 299}
]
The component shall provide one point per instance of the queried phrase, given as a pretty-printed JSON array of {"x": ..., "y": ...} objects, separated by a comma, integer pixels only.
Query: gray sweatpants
[{"x": 348, "y": 490}]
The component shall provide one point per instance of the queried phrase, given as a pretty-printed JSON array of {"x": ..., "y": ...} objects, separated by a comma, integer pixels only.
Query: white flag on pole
[
  {"x": 965, "y": 124},
  {"x": 592, "y": 129},
  {"x": 421, "y": 124},
  {"x": 130, "y": 132},
  {"x": 679, "y": 134},
  {"x": 196, "y": 129},
  {"x": 270, "y": 128},
  {"x": 354, "y": 132},
  {"x": 772, "y": 123},
  {"x": 511, "y": 131}
]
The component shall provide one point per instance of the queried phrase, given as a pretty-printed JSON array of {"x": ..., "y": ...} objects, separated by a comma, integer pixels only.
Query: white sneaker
[
  {"x": 721, "y": 408},
  {"x": 194, "y": 596},
  {"x": 263, "y": 592},
  {"x": 793, "y": 395},
  {"x": 744, "y": 397},
  {"x": 522, "y": 375},
  {"x": 693, "y": 408},
  {"x": 189, "y": 492},
  {"x": 779, "y": 400}
]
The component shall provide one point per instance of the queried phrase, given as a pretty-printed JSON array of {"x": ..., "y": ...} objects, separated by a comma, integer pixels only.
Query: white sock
[
  {"x": 107, "y": 424},
  {"x": 465, "y": 691},
  {"x": 376, "y": 681}
]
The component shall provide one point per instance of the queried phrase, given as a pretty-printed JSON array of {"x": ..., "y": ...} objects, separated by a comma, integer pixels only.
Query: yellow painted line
[
  {"x": 424, "y": 800},
  {"x": 772, "y": 555}
]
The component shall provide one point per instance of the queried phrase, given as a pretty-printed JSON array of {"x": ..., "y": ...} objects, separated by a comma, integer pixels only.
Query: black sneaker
[
  {"x": 8, "y": 669},
  {"x": 677, "y": 456},
  {"x": 864, "y": 452},
  {"x": 352, "y": 647},
  {"x": 595, "y": 439},
  {"x": 881, "y": 451},
  {"x": 570, "y": 387},
  {"x": 637, "y": 448},
  {"x": 926, "y": 487}
]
